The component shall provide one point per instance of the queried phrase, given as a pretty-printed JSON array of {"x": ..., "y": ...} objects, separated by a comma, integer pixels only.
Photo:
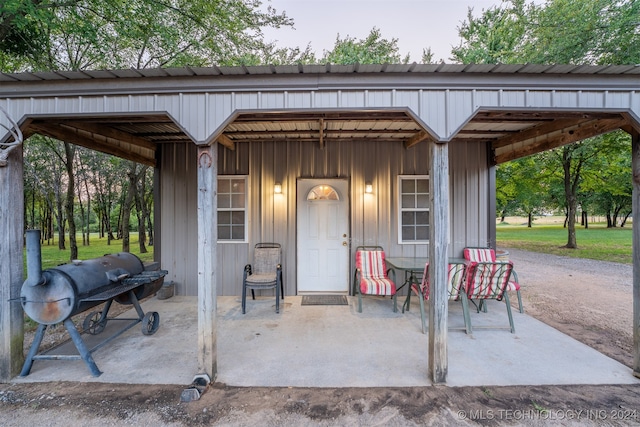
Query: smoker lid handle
[{"x": 117, "y": 275}]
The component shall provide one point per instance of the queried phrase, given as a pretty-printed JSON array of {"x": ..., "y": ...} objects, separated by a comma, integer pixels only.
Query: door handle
[{"x": 345, "y": 244}]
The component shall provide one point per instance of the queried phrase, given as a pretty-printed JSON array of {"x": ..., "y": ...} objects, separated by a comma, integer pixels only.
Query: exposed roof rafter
[
  {"x": 585, "y": 130},
  {"x": 89, "y": 140}
]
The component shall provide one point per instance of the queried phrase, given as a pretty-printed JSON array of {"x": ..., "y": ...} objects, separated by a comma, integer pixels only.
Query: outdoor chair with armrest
[
  {"x": 266, "y": 273},
  {"x": 455, "y": 291},
  {"x": 488, "y": 280},
  {"x": 371, "y": 276},
  {"x": 487, "y": 254}
]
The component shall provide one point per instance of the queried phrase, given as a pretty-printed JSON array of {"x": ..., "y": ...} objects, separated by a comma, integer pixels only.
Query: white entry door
[{"x": 323, "y": 236}]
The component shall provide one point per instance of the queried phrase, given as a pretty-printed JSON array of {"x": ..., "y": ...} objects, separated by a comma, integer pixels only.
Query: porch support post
[
  {"x": 635, "y": 167},
  {"x": 11, "y": 246},
  {"x": 438, "y": 262},
  {"x": 207, "y": 259}
]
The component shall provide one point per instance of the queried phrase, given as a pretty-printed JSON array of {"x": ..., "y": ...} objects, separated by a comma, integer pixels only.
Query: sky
[{"x": 417, "y": 24}]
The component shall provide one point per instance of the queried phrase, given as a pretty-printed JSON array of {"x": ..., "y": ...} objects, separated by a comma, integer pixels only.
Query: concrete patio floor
[{"x": 335, "y": 346}]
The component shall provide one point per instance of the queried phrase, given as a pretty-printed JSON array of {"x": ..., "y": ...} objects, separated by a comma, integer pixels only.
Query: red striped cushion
[
  {"x": 513, "y": 286},
  {"x": 373, "y": 273},
  {"x": 488, "y": 280},
  {"x": 480, "y": 254},
  {"x": 377, "y": 286},
  {"x": 454, "y": 283}
]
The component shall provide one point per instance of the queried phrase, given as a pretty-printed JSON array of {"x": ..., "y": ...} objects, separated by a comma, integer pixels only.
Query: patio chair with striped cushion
[
  {"x": 455, "y": 289},
  {"x": 488, "y": 254},
  {"x": 372, "y": 276},
  {"x": 488, "y": 280}
]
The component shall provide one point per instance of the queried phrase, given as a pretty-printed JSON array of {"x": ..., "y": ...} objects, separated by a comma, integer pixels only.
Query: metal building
[{"x": 241, "y": 154}]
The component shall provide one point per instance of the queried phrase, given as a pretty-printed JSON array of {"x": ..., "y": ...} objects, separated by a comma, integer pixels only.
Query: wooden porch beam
[
  {"x": 417, "y": 139},
  {"x": 227, "y": 142},
  {"x": 635, "y": 167},
  {"x": 11, "y": 236},
  {"x": 335, "y": 133},
  {"x": 109, "y": 132},
  {"x": 528, "y": 116},
  {"x": 586, "y": 130},
  {"x": 321, "y": 132},
  {"x": 632, "y": 124},
  {"x": 537, "y": 131},
  {"x": 438, "y": 262},
  {"x": 207, "y": 171},
  {"x": 89, "y": 141}
]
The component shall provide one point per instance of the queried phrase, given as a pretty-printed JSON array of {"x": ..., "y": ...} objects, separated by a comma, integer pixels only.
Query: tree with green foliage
[
  {"x": 374, "y": 49},
  {"x": 556, "y": 32},
  {"x": 607, "y": 187},
  {"x": 559, "y": 31},
  {"x": 496, "y": 36},
  {"x": 37, "y": 35},
  {"x": 80, "y": 34},
  {"x": 518, "y": 189}
]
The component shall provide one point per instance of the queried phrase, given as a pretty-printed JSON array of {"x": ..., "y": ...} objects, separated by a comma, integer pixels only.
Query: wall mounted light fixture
[
  {"x": 368, "y": 188},
  {"x": 277, "y": 188}
]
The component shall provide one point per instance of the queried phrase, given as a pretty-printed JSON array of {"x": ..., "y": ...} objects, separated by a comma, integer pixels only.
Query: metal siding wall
[
  {"x": 379, "y": 98},
  {"x": 179, "y": 211},
  {"x": 167, "y": 200},
  {"x": 202, "y": 112},
  {"x": 459, "y": 107},
  {"x": 432, "y": 110},
  {"x": 587, "y": 98},
  {"x": 458, "y": 159},
  {"x": 141, "y": 103},
  {"x": 219, "y": 107},
  {"x": 373, "y": 216},
  {"x": 562, "y": 98},
  {"x": 480, "y": 161},
  {"x": 348, "y": 98},
  {"x": 232, "y": 257},
  {"x": 538, "y": 98},
  {"x": 298, "y": 100},
  {"x": 486, "y": 97},
  {"x": 193, "y": 112},
  {"x": 477, "y": 195},
  {"x": 512, "y": 98},
  {"x": 410, "y": 98},
  {"x": 191, "y": 208}
]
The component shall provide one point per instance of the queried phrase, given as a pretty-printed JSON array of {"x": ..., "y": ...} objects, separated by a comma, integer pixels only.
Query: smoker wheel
[
  {"x": 150, "y": 323},
  {"x": 93, "y": 324}
]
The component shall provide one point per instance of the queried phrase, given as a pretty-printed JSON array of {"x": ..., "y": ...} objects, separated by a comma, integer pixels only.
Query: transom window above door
[{"x": 323, "y": 192}]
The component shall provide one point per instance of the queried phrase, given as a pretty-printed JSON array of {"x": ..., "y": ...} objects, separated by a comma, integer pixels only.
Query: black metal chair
[{"x": 266, "y": 273}]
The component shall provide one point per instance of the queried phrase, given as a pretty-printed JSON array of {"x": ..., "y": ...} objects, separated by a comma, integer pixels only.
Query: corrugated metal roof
[{"x": 326, "y": 69}]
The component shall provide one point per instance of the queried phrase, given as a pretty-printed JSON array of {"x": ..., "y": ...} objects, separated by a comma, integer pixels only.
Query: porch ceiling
[
  {"x": 512, "y": 134},
  {"x": 130, "y": 137}
]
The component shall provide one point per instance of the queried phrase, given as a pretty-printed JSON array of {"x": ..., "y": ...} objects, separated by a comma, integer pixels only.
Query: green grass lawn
[
  {"x": 52, "y": 256},
  {"x": 597, "y": 242}
]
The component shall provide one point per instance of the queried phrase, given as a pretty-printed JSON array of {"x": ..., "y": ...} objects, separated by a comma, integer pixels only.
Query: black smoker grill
[{"x": 54, "y": 295}]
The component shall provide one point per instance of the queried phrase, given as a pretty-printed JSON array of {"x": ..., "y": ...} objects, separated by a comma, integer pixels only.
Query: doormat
[{"x": 324, "y": 300}]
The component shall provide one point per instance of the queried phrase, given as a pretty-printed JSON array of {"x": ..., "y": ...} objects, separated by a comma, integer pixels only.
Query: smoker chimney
[{"x": 34, "y": 259}]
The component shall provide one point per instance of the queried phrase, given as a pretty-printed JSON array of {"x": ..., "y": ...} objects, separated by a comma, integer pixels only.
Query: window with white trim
[
  {"x": 413, "y": 209},
  {"x": 232, "y": 208}
]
